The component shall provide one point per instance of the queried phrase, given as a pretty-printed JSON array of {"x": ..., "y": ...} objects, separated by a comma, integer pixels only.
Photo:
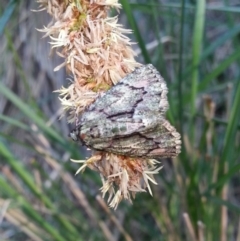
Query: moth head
[{"x": 74, "y": 134}]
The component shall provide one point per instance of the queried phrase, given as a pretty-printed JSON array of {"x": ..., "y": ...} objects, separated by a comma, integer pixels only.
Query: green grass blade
[
  {"x": 220, "y": 202},
  {"x": 127, "y": 9},
  {"x": 197, "y": 48},
  {"x": 209, "y": 50},
  {"x": 27, "y": 111},
  {"x": 14, "y": 122},
  {"x": 28, "y": 180},
  {"x": 16, "y": 166},
  {"x": 218, "y": 70},
  {"x": 222, "y": 180},
  {"x": 232, "y": 127},
  {"x": 196, "y": 58},
  {"x": 228, "y": 35},
  {"x": 27, "y": 207},
  {"x": 180, "y": 69},
  {"x": 8, "y": 11},
  {"x": 234, "y": 9}
]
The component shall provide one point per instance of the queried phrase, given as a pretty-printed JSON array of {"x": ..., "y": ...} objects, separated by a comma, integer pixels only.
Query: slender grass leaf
[
  {"x": 14, "y": 122},
  {"x": 218, "y": 70},
  {"x": 231, "y": 132},
  {"x": 228, "y": 204},
  {"x": 8, "y": 11},
  {"x": 28, "y": 180},
  {"x": 133, "y": 24},
  {"x": 222, "y": 180},
  {"x": 196, "y": 58},
  {"x": 27, "y": 207},
  {"x": 30, "y": 114}
]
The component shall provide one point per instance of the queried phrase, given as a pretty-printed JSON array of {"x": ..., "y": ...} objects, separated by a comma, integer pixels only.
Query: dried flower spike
[{"x": 98, "y": 55}]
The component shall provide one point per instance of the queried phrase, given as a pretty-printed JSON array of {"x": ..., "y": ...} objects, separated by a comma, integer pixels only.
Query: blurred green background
[{"x": 195, "y": 45}]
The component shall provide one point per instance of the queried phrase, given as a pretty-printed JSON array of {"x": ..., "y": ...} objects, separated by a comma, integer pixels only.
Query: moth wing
[
  {"x": 158, "y": 140},
  {"x": 140, "y": 94},
  {"x": 104, "y": 130}
]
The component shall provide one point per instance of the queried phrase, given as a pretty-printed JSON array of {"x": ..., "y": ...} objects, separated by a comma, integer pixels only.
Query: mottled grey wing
[
  {"x": 158, "y": 140},
  {"x": 136, "y": 99}
]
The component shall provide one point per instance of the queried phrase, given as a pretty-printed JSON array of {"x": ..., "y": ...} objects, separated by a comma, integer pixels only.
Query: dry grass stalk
[{"x": 97, "y": 54}]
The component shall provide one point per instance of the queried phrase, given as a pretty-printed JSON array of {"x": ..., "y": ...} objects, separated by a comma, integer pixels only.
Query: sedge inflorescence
[{"x": 97, "y": 53}]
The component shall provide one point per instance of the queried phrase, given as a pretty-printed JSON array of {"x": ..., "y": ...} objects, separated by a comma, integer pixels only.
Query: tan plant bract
[{"x": 97, "y": 54}]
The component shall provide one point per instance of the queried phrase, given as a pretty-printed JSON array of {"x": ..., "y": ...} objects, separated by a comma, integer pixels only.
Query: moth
[{"x": 129, "y": 119}]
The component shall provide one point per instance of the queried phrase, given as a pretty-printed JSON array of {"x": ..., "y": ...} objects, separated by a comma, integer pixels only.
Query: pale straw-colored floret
[{"x": 122, "y": 173}]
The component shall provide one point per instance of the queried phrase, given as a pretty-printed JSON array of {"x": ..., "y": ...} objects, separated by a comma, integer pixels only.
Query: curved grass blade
[
  {"x": 8, "y": 11},
  {"x": 28, "y": 180},
  {"x": 196, "y": 58},
  {"x": 30, "y": 114},
  {"x": 231, "y": 132},
  {"x": 218, "y": 70},
  {"x": 27, "y": 207},
  {"x": 133, "y": 24}
]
